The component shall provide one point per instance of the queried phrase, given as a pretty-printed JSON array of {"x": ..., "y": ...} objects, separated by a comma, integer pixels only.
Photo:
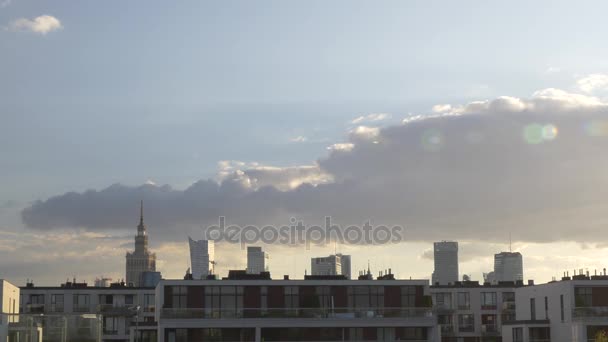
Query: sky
[{"x": 471, "y": 121}]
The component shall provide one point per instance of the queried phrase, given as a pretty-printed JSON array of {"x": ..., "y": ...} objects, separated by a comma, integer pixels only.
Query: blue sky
[{"x": 127, "y": 92}]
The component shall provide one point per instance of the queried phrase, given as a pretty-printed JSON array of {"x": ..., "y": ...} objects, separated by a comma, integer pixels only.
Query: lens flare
[
  {"x": 432, "y": 140},
  {"x": 549, "y": 132},
  {"x": 596, "y": 128},
  {"x": 533, "y": 134}
]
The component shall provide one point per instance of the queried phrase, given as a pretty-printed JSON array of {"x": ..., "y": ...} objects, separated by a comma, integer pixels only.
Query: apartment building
[
  {"x": 469, "y": 312},
  {"x": 83, "y": 313},
  {"x": 9, "y": 306},
  {"x": 571, "y": 310},
  {"x": 294, "y": 310}
]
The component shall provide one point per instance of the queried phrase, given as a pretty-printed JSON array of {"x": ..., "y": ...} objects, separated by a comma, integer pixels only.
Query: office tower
[
  {"x": 345, "y": 261},
  {"x": 508, "y": 266},
  {"x": 201, "y": 257},
  {"x": 140, "y": 260},
  {"x": 446, "y": 262},
  {"x": 330, "y": 265},
  {"x": 256, "y": 260}
]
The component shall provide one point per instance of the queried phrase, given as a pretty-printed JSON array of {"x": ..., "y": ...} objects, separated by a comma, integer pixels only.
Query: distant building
[
  {"x": 202, "y": 256},
  {"x": 140, "y": 260},
  {"x": 345, "y": 261},
  {"x": 256, "y": 260},
  {"x": 330, "y": 265},
  {"x": 150, "y": 279},
  {"x": 9, "y": 307},
  {"x": 446, "y": 263},
  {"x": 508, "y": 266},
  {"x": 103, "y": 282},
  {"x": 489, "y": 278}
]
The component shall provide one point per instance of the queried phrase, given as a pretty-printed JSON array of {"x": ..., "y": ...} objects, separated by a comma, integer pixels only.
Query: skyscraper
[
  {"x": 256, "y": 260},
  {"x": 446, "y": 262},
  {"x": 141, "y": 260},
  {"x": 330, "y": 265},
  {"x": 202, "y": 257},
  {"x": 508, "y": 266},
  {"x": 345, "y": 261}
]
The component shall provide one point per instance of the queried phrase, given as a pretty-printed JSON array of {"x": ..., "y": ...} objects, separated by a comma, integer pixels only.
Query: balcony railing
[
  {"x": 466, "y": 328},
  {"x": 447, "y": 329},
  {"x": 318, "y": 313},
  {"x": 34, "y": 308},
  {"x": 116, "y": 310},
  {"x": 489, "y": 329},
  {"x": 596, "y": 313},
  {"x": 443, "y": 307},
  {"x": 508, "y": 306}
]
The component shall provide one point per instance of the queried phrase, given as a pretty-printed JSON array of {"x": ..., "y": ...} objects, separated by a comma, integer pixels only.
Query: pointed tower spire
[{"x": 141, "y": 228}]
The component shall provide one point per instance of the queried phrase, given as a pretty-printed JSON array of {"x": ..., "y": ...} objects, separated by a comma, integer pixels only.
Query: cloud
[
  {"x": 533, "y": 166},
  {"x": 42, "y": 24},
  {"x": 374, "y": 117},
  {"x": 298, "y": 139},
  {"x": 593, "y": 83}
]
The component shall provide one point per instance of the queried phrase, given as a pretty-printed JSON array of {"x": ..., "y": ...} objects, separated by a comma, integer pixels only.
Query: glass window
[
  {"x": 57, "y": 303},
  {"x": 518, "y": 335},
  {"x": 149, "y": 302},
  {"x": 129, "y": 299},
  {"x": 488, "y": 300},
  {"x": 81, "y": 303},
  {"x": 533, "y": 309},
  {"x": 464, "y": 301},
  {"x": 408, "y": 296},
  {"x": 291, "y": 297},
  {"x": 179, "y": 296},
  {"x": 466, "y": 323},
  {"x": 442, "y": 300},
  {"x": 583, "y": 296},
  {"x": 561, "y": 306}
]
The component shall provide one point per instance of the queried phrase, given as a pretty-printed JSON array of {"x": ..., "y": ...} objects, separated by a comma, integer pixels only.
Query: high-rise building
[
  {"x": 202, "y": 257},
  {"x": 330, "y": 265},
  {"x": 508, "y": 266},
  {"x": 446, "y": 263},
  {"x": 256, "y": 260},
  {"x": 141, "y": 259},
  {"x": 345, "y": 261}
]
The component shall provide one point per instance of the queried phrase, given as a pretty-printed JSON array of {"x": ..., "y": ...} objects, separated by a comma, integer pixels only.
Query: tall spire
[{"x": 141, "y": 228}]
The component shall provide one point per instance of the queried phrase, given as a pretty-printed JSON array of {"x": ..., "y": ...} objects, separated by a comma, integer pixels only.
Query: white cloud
[
  {"x": 593, "y": 83},
  {"x": 42, "y": 24},
  {"x": 441, "y": 108},
  {"x": 374, "y": 117}
]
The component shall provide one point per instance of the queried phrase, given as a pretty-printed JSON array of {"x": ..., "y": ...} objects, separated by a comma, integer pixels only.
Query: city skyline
[{"x": 446, "y": 119}]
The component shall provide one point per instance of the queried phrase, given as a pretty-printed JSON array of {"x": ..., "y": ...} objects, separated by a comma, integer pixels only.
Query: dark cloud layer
[{"x": 535, "y": 167}]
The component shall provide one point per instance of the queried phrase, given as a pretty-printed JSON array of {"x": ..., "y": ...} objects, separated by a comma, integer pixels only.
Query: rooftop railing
[
  {"x": 595, "y": 312},
  {"x": 318, "y": 313}
]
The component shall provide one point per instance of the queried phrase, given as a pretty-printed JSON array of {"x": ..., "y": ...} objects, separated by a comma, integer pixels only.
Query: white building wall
[{"x": 9, "y": 298}]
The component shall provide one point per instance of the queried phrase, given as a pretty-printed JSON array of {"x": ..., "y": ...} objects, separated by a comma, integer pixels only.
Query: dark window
[
  {"x": 488, "y": 300},
  {"x": 533, "y": 309},
  {"x": 583, "y": 296},
  {"x": 129, "y": 299},
  {"x": 57, "y": 303},
  {"x": 179, "y": 296},
  {"x": 408, "y": 296},
  {"x": 466, "y": 323},
  {"x": 81, "y": 303},
  {"x": 546, "y": 307},
  {"x": 561, "y": 306},
  {"x": 464, "y": 302},
  {"x": 518, "y": 335}
]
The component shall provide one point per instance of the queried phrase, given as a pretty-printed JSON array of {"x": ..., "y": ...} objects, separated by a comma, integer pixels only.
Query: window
[
  {"x": 36, "y": 304},
  {"x": 533, "y": 309},
  {"x": 583, "y": 296},
  {"x": 561, "y": 306},
  {"x": 81, "y": 303},
  {"x": 408, "y": 296},
  {"x": 179, "y": 296},
  {"x": 110, "y": 325},
  {"x": 546, "y": 307},
  {"x": 488, "y": 300},
  {"x": 518, "y": 335},
  {"x": 57, "y": 303},
  {"x": 148, "y": 303},
  {"x": 224, "y": 301},
  {"x": 129, "y": 299},
  {"x": 442, "y": 300},
  {"x": 464, "y": 302},
  {"x": 106, "y": 299},
  {"x": 291, "y": 297},
  {"x": 466, "y": 323}
]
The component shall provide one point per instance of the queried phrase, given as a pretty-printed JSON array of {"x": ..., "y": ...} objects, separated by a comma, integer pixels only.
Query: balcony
[
  {"x": 443, "y": 307},
  {"x": 115, "y": 310},
  {"x": 466, "y": 328},
  {"x": 317, "y": 313},
  {"x": 489, "y": 330},
  {"x": 596, "y": 313},
  {"x": 447, "y": 329},
  {"x": 34, "y": 308},
  {"x": 508, "y": 306}
]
